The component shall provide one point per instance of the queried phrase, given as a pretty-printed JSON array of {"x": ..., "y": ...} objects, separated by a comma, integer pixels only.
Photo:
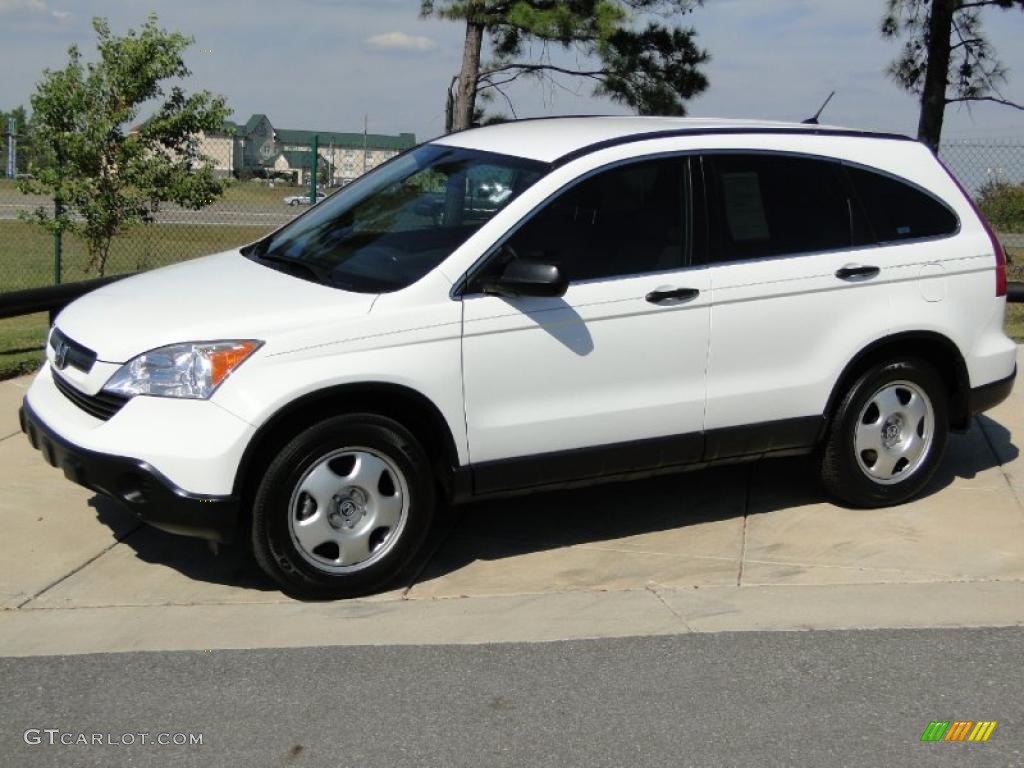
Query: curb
[{"x": 514, "y": 618}]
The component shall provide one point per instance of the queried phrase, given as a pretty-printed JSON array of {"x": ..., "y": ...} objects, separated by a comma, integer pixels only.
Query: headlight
[{"x": 192, "y": 370}]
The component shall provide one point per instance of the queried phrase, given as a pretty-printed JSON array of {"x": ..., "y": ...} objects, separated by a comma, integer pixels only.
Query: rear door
[{"x": 797, "y": 285}]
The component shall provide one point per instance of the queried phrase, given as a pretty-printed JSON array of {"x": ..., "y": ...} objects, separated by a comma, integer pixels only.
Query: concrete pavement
[{"x": 736, "y": 548}]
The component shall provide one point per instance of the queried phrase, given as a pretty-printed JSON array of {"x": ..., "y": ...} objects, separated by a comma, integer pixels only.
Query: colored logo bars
[{"x": 958, "y": 730}]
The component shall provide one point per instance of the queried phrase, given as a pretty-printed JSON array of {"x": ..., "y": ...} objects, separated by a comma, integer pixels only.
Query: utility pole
[
  {"x": 366, "y": 121},
  {"x": 12, "y": 147},
  {"x": 312, "y": 170}
]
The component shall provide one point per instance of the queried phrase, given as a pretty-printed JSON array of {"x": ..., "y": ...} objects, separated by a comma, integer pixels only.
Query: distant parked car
[{"x": 303, "y": 199}]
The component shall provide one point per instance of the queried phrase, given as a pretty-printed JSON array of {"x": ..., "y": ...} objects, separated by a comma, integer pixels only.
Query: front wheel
[
  {"x": 887, "y": 436},
  {"x": 344, "y": 508}
]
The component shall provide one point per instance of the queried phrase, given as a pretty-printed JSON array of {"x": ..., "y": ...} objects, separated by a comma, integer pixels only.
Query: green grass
[
  {"x": 26, "y": 261},
  {"x": 21, "y": 344},
  {"x": 1014, "y": 323},
  {"x": 26, "y": 251},
  {"x": 260, "y": 192}
]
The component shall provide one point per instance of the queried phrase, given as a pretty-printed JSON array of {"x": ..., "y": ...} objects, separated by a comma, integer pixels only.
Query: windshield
[{"x": 389, "y": 228}]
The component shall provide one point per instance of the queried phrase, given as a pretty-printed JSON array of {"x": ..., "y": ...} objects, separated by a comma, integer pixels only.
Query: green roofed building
[{"x": 257, "y": 145}]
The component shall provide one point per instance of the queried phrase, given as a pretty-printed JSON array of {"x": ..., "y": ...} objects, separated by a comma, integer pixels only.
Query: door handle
[
  {"x": 669, "y": 294},
  {"x": 856, "y": 272}
]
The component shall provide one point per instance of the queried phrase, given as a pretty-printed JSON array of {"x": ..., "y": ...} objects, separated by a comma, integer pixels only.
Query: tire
[
  {"x": 344, "y": 508},
  {"x": 888, "y": 435}
]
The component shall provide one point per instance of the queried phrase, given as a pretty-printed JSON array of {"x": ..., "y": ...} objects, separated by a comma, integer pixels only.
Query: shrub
[{"x": 1003, "y": 205}]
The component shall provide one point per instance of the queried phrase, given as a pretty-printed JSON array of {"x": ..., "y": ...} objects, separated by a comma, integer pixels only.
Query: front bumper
[{"x": 144, "y": 490}]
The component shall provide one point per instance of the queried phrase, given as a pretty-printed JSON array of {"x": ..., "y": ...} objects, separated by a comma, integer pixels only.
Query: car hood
[{"x": 225, "y": 296}]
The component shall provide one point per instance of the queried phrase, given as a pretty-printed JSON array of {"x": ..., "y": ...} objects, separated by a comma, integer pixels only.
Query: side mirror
[{"x": 528, "y": 278}]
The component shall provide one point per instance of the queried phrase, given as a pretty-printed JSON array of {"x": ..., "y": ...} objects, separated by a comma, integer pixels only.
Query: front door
[{"x": 609, "y": 378}]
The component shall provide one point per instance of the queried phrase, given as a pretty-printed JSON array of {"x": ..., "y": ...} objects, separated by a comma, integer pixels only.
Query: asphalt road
[
  {"x": 757, "y": 699},
  {"x": 220, "y": 214}
]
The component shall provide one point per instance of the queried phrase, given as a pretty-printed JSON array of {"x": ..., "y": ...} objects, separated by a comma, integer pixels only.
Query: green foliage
[
  {"x": 654, "y": 70},
  {"x": 638, "y": 59},
  {"x": 1003, "y": 205},
  {"x": 103, "y": 171},
  {"x": 973, "y": 74}
]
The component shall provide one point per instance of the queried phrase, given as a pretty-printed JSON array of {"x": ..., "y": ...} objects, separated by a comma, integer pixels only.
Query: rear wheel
[
  {"x": 888, "y": 435},
  {"x": 344, "y": 508}
]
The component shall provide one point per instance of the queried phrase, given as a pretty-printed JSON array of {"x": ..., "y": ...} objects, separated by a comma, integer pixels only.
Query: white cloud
[
  {"x": 32, "y": 6},
  {"x": 400, "y": 41},
  {"x": 22, "y": 5}
]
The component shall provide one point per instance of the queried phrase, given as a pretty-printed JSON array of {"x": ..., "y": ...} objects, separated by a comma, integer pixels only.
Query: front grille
[
  {"x": 102, "y": 405},
  {"x": 67, "y": 352}
]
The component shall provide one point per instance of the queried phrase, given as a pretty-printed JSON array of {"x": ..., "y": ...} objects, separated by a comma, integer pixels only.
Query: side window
[
  {"x": 773, "y": 205},
  {"x": 627, "y": 220},
  {"x": 898, "y": 211}
]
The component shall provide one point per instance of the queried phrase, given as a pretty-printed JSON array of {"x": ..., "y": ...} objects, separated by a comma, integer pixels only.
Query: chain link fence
[
  {"x": 247, "y": 211},
  {"x": 991, "y": 171},
  {"x": 29, "y": 258}
]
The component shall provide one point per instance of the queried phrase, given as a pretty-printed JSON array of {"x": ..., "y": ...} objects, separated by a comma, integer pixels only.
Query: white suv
[{"x": 530, "y": 305}]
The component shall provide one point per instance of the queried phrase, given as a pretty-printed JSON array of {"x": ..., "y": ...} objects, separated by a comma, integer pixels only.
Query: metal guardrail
[
  {"x": 54, "y": 298},
  {"x": 51, "y": 298}
]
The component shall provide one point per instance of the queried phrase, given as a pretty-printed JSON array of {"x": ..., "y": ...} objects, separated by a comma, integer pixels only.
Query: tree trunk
[
  {"x": 449, "y": 107},
  {"x": 933, "y": 96},
  {"x": 465, "y": 97}
]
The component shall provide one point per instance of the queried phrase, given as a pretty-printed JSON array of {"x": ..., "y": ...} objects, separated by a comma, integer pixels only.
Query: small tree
[
  {"x": 946, "y": 58},
  {"x": 103, "y": 173},
  {"x": 636, "y": 59}
]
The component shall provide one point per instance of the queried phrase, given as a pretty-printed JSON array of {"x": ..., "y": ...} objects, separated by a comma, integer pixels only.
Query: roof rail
[{"x": 801, "y": 130}]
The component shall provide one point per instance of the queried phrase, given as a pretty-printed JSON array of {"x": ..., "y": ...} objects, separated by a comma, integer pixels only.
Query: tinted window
[
  {"x": 623, "y": 221},
  {"x": 393, "y": 225},
  {"x": 764, "y": 205},
  {"x": 898, "y": 211}
]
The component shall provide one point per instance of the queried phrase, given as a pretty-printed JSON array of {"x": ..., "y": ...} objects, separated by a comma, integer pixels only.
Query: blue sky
[{"x": 322, "y": 64}]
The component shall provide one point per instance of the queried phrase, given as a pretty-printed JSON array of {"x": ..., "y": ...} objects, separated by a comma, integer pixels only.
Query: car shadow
[
  {"x": 541, "y": 521},
  {"x": 515, "y": 526},
  {"x": 232, "y": 566},
  {"x": 558, "y": 319},
  {"x": 999, "y": 438}
]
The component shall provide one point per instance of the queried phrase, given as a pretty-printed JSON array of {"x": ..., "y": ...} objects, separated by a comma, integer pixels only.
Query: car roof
[{"x": 558, "y": 139}]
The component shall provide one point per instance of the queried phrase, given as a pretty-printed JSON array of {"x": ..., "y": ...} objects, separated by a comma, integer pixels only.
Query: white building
[{"x": 257, "y": 146}]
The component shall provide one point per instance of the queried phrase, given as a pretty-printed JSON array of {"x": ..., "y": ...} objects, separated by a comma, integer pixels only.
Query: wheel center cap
[
  {"x": 892, "y": 431},
  {"x": 349, "y": 508}
]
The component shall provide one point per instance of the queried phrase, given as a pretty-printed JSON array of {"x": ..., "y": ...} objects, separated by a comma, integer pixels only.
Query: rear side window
[
  {"x": 898, "y": 211},
  {"x": 773, "y": 205}
]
